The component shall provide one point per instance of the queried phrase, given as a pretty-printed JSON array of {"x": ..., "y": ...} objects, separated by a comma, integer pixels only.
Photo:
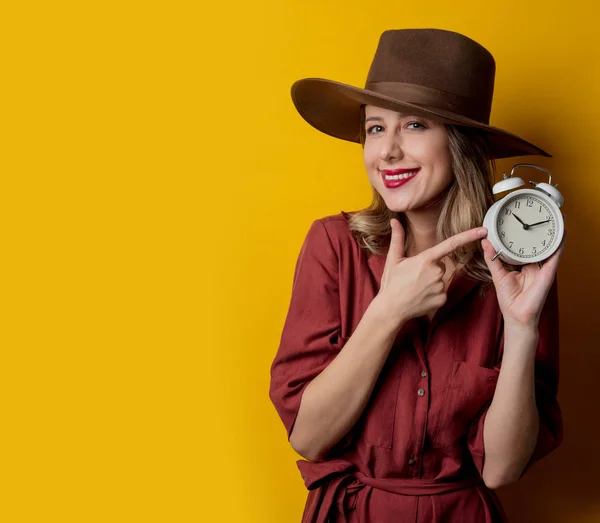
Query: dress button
[
  {"x": 421, "y": 392},
  {"x": 423, "y": 374},
  {"x": 412, "y": 461}
]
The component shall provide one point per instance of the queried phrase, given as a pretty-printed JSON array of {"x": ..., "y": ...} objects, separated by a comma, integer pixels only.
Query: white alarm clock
[{"x": 526, "y": 225}]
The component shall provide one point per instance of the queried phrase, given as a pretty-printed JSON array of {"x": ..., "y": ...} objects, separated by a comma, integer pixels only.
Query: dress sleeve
[
  {"x": 546, "y": 389},
  {"x": 310, "y": 336}
]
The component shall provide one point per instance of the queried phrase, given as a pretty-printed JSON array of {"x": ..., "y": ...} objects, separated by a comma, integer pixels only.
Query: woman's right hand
[{"x": 412, "y": 287}]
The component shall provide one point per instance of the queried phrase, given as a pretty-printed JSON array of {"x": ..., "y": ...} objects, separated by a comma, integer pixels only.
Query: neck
[{"x": 422, "y": 225}]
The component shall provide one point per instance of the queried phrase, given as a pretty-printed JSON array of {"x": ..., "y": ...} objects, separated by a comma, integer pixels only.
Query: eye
[
  {"x": 423, "y": 126},
  {"x": 369, "y": 129}
]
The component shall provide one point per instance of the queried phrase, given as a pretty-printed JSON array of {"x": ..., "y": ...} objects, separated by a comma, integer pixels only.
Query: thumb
[{"x": 396, "y": 250}]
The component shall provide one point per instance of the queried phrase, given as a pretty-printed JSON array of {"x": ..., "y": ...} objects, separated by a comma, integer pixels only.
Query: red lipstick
[{"x": 392, "y": 184}]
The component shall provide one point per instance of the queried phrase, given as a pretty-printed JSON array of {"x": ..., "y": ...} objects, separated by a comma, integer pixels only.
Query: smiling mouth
[
  {"x": 396, "y": 180},
  {"x": 402, "y": 176}
]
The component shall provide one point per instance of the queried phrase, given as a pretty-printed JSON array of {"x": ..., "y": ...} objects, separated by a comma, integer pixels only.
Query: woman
[{"x": 414, "y": 373}]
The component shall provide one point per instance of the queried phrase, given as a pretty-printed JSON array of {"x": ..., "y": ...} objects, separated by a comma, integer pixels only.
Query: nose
[{"x": 391, "y": 149}]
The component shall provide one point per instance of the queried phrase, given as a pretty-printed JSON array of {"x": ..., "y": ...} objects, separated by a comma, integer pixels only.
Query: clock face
[{"x": 526, "y": 226}]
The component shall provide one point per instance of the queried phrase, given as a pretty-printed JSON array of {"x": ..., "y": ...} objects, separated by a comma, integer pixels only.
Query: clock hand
[
  {"x": 525, "y": 226},
  {"x": 538, "y": 223}
]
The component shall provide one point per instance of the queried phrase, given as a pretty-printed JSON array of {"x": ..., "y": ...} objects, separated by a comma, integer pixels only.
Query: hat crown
[{"x": 436, "y": 59}]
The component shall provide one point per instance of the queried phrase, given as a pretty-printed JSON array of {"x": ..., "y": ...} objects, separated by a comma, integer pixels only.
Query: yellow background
[{"x": 157, "y": 184}]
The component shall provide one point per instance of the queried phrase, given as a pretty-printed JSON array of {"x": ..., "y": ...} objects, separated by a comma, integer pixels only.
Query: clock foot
[{"x": 497, "y": 254}]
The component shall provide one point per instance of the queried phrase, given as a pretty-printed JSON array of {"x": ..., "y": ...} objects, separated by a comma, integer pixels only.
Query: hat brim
[{"x": 334, "y": 109}]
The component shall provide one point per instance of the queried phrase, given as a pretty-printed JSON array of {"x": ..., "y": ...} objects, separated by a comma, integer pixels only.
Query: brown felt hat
[{"x": 433, "y": 73}]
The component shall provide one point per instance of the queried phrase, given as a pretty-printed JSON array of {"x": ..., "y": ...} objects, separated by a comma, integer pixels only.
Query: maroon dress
[{"x": 416, "y": 454}]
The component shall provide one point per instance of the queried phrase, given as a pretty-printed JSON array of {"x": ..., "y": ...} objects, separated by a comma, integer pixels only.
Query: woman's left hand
[{"x": 521, "y": 295}]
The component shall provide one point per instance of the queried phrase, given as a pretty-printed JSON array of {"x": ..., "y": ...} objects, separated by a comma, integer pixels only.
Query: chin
[
  {"x": 397, "y": 205},
  {"x": 397, "y": 208}
]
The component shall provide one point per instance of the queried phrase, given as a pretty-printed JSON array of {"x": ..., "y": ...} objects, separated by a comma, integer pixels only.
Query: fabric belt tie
[{"x": 342, "y": 486}]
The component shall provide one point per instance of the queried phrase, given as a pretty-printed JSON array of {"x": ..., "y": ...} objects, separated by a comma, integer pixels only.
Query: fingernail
[{"x": 482, "y": 232}]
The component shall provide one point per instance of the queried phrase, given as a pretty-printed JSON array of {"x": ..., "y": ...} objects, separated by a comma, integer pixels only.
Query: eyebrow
[
  {"x": 380, "y": 118},
  {"x": 373, "y": 118}
]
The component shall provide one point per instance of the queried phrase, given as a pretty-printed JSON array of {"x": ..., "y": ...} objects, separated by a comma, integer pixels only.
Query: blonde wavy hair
[{"x": 463, "y": 206}]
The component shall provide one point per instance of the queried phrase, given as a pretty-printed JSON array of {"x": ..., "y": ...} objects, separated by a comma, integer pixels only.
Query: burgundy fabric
[{"x": 410, "y": 457}]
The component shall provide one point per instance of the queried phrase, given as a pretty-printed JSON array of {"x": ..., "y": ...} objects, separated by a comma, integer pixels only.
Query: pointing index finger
[{"x": 449, "y": 245}]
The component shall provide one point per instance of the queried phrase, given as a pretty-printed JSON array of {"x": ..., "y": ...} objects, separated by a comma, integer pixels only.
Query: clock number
[
  {"x": 529, "y": 203},
  {"x": 507, "y": 211},
  {"x": 540, "y": 209},
  {"x": 517, "y": 205},
  {"x": 501, "y": 221},
  {"x": 510, "y": 245},
  {"x": 550, "y": 232},
  {"x": 544, "y": 243},
  {"x": 521, "y": 251},
  {"x": 534, "y": 250},
  {"x": 503, "y": 234}
]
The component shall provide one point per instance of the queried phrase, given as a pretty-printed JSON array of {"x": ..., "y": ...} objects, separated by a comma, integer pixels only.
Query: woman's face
[{"x": 396, "y": 141}]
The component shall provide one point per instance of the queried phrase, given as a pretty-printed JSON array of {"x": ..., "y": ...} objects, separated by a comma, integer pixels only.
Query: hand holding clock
[{"x": 521, "y": 295}]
